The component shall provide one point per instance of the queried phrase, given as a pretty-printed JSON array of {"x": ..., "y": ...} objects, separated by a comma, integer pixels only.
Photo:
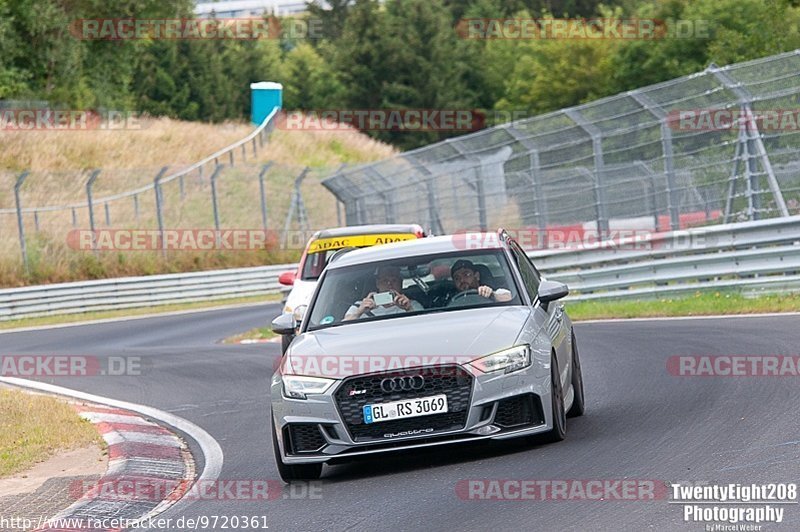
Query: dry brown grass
[
  {"x": 35, "y": 427},
  {"x": 60, "y": 163},
  {"x": 163, "y": 141}
]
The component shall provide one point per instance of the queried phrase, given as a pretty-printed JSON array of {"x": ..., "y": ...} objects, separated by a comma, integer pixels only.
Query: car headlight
[
  {"x": 507, "y": 360},
  {"x": 297, "y": 386}
]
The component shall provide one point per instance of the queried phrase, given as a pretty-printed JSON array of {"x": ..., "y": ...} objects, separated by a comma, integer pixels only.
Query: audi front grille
[{"x": 356, "y": 392}]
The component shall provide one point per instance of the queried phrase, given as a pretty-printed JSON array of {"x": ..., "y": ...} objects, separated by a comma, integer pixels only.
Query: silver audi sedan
[{"x": 421, "y": 343}]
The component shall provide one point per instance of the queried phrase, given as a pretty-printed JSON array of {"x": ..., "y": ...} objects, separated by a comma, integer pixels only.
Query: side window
[{"x": 530, "y": 277}]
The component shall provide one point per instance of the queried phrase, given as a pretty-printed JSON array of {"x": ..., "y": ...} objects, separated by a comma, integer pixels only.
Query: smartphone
[{"x": 383, "y": 298}]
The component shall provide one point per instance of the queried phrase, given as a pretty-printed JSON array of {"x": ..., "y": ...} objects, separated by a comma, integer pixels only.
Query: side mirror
[
  {"x": 298, "y": 314},
  {"x": 287, "y": 278},
  {"x": 283, "y": 324},
  {"x": 551, "y": 291}
]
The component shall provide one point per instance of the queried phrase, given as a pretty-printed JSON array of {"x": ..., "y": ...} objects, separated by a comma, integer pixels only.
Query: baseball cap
[{"x": 461, "y": 263}]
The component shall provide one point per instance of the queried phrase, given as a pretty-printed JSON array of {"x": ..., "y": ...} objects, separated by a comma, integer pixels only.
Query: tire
[
  {"x": 293, "y": 472},
  {"x": 578, "y": 403},
  {"x": 559, "y": 430},
  {"x": 286, "y": 339}
]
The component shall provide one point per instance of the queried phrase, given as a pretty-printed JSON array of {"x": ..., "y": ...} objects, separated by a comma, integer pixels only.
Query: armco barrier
[
  {"x": 760, "y": 255},
  {"x": 132, "y": 292}
]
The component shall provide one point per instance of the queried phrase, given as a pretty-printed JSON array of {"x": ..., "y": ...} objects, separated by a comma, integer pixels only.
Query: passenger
[
  {"x": 467, "y": 277},
  {"x": 387, "y": 279}
]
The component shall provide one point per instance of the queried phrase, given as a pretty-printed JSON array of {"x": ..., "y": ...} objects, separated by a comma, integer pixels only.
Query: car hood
[{"x": 408, "y": 341}]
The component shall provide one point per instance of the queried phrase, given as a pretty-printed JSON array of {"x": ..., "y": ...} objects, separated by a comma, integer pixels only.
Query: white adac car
[{"x": 323, "y": 245}]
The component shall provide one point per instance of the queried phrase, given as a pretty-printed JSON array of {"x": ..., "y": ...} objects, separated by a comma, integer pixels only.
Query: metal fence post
[
  {"x": 481, "y": 198},
  {"x": 756, "y": 146},
  {"x": 751, "y": 180},
  {"x": 36, "y": 220},
  {"x": 599, "y": 168},
  {"x": 20, "y": 224},
  {"x": 673, "y": 201},
  {"x": 108, "y": 214},
  {"x": 159, "y": 208},
  {"x": 732, "y": 181},
  {"x": 136, "y": 206},
  {"x": 262, "y": 191},
  {"x": 89, "y": 185},
  {"x": 74, "y": 218},
  {"x": 339, "y": 203},
  {"x": 434, "y": 223},
  {"x": 214, "y": 204},
  {"x": 536, "y": 179},
  {"x": 297, "y": 203}
]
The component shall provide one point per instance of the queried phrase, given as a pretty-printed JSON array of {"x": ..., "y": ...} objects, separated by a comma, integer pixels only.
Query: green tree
[
  {"x": 428, "y": 65},
  {"x": 309, "y": 81}
]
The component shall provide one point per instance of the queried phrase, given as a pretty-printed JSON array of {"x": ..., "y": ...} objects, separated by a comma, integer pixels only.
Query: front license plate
[{"x": 422, "y": 406}]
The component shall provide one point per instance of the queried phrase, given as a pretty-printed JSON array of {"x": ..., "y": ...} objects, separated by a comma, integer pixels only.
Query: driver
[
  {"x": 467, "y": 277},
  {"x": 387, "y": 279}
]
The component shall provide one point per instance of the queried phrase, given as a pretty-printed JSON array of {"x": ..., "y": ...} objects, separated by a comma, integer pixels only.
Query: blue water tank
[{"x": 265, "y": 97}]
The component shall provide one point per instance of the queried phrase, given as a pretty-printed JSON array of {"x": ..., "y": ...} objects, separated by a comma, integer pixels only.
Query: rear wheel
[
  {"x": 293, "y": 472},
  {"x": 559, "y": 430},
  {"x": 578, "y": 403}
]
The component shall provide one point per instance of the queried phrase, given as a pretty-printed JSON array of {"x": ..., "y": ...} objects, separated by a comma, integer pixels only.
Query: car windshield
[
  {"x": 321, "y": 250},
  {"x": 413, "y": 285},
  {"x": 315, "y": 263}
]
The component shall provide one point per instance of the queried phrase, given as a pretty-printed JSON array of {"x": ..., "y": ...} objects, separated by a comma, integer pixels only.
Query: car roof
[
  {"x": 422, "y": 246},
  {"x": 367, "y": 230}
]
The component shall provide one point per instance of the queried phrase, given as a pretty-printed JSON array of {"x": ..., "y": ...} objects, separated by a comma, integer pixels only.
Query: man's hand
[
  {"x": 366, "y": 304},
  {"x": 402, "y": 301},
  {"x": 485, "y": 291}
]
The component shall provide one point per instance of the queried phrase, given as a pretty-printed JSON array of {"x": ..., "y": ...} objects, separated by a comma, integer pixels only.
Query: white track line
[
  {"x": 684, "y": 318},
  {"x": 132, "y": 318},
  {"x": 212, "y": 452}
]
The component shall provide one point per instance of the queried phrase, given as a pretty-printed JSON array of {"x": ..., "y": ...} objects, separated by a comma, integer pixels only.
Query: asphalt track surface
[{"x": 641, "y": 423}]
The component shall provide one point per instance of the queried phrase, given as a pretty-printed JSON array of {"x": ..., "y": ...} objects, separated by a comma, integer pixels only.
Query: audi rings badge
[{"x": 403, "y": 384}]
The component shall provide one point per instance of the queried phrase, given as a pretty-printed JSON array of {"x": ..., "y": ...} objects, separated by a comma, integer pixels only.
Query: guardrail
[
  {"x": 133, "y": 292},
  {"x": 760, "y": 255}
]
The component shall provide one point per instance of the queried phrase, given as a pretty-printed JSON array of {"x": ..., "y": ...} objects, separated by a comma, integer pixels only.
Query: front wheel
[
  {"x": 578, "y": 402},
  {"x": 293, "y": 472},
  {"x": 559, "y": 430}
]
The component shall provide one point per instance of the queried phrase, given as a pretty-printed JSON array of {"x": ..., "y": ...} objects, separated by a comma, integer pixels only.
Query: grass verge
[
  {"x": 109, "y": 314},
  {"x": 260, "y": 333},
  {"x": 699, "y": 304},
  {"x": 35, "y": 427}
]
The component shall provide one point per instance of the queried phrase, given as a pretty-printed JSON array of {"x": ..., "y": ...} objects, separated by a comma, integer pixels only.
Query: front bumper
[{"x": 326, "y": 427}]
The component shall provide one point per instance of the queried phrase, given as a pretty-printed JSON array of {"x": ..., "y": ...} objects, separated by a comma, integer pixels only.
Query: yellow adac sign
[{"x": 358, "y": 241}]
